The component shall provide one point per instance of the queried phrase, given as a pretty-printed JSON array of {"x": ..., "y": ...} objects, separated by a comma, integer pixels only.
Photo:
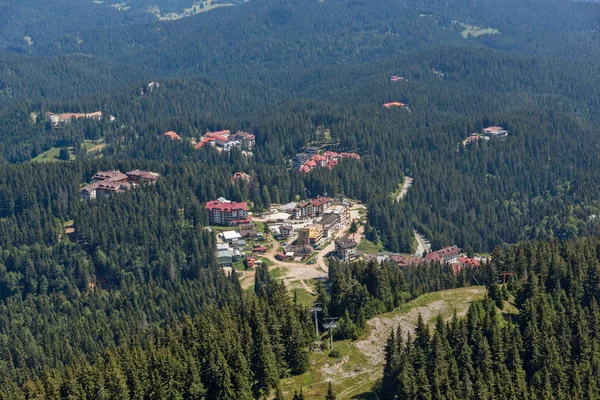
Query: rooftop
[
  {"x": 112, "y": 175},
  {"x": 230, "y": 235},
  {"x": 216, "y": 205},
  {"x": 345, "y": 243}
]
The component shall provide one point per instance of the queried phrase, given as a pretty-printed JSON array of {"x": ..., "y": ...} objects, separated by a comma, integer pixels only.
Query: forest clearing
[{"x": 360, "y": 362}]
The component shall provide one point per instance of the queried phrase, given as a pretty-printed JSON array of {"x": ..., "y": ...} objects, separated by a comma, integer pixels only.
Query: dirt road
[
  {"x": 297, "y": 271},
  {"x": 405, "y": 186},
  {"x": 458, "y": 299},
  {"x": 422, "y": 244}
]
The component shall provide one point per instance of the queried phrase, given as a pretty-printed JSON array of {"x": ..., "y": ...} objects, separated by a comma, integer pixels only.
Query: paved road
[{"x": 422, "y": 244}]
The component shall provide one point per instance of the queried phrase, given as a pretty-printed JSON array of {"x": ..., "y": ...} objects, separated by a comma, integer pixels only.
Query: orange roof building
[
  {"x": 394, "y": 104},
  {"x": 172, "y": 135}
]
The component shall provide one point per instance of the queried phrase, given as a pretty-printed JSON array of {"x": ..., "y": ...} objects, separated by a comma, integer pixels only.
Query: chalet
[
  {"x": 350, "y": 155},
  {"x": 328, "y": 159},
  {"x": 469, "y": 262},
  {"x": 89, "y": 192},
  {"x": 298, "y": 251},
  {"x": 63, "y": 119},
  {"x": 205, "y": 141},
  {"x": 345, "y": 249},
  {"x": 250, "y": 262},
  {"x": 238, "y": 243},
  {"x": 495, "y": 132},
  {"x": 142, "y": 177},
  {"x": 286, "y": 231},
  {"x": 108, "y": 188},
  {"x": 394, "y": 104},
  {"x": 240, "y": 176},
  {"x": 106, "y": 183},
  {"x": 299, "y": 160},
  {"x": 446, "y": 255},
  {"x": 225, "y": 212},
  {"x": 109, "y": 176},
  {"x": 259, "y": 249},
  {"x": 172, "y": 135},
  {"x": 221, "y": 134},
  {"x": 249, "y": 233},
  {"x": 237, "y": 254},
  {"x": 404, "y": 262}
]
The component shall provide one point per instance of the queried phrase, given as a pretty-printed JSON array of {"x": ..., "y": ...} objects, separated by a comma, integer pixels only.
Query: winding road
[{"x": 405, "y": 186}]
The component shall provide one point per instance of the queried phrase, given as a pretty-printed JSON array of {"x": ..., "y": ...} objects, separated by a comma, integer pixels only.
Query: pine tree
[
  {"x": 330, "y": 395},
  {"x": 298, "y": 396},
  {"x": 264, "y": 364}
]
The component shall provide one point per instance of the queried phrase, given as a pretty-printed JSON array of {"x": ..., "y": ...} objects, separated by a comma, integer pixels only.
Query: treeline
[
  {"x": 546, "y": 351},
  {"x": 359, "y": 291},
  {"x": 199, "y": 338},
  {"x": 239, "y": 349}
]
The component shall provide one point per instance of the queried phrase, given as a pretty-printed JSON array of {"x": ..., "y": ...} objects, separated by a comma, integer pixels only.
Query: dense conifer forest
[{"x": 131, "y": 303}]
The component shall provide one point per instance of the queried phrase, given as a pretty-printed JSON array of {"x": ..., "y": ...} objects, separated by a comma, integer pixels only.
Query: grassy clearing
[
  {"x": 51, "y": 155},
  {"x": 453, "y": 299},
  {"x": 314, "y": 382},
  {"x": 303, "y": 297},
  {"x": 267, "y": 262},
  {"x": 475, "y": 31},
  {"x": 398, "y": 191},
  {"x": 278, "y": 272},
  {"x": 368, "y": 247},
  {"x": 353, "y": 374},
  {"x": 93, "y": 145}
]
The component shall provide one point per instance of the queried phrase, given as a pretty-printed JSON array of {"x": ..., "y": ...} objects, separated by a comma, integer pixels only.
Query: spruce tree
[{"x": 330, "y": 395}]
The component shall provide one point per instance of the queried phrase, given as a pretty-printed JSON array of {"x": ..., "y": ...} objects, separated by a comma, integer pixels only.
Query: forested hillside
[
  {"x": 29, "y": 25},
  {"x": 121, "y": 297},
  {"x": 549, "y": 351}
]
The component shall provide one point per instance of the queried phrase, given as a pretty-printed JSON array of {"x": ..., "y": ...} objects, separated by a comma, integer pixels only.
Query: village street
[
  {"x": 298, "y": 271},
  {"x": 423, "y": 245}
]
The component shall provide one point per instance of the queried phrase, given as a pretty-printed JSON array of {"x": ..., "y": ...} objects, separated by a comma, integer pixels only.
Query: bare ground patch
[{"x": 373, "y": 346}]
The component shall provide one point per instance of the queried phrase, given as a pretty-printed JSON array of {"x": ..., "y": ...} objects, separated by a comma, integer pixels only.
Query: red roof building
[
  {"x": 223, "y": 212},
  {"x": 172, "y": 135},
  {"x": 204, "y": 141},
  {"x": 470, "y": 262},
  {"x": 137, "y": 176},
  {"x": 110, "y": 176},
  {"x": 448, "y": 254},
  {"x": 224, "y": 133},
  {"x": 240, "y": 176},
  {"x": 259, "y": 249}
]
